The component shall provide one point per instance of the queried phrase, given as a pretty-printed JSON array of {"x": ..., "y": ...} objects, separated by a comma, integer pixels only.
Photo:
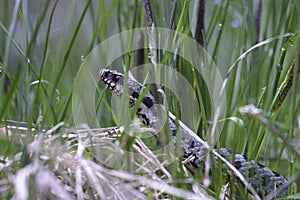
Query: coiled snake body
[{"x": 262, "y": 179}]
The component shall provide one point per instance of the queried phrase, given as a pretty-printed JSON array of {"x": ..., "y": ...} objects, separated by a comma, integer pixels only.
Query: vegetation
[{"x": 49, "y": 151}]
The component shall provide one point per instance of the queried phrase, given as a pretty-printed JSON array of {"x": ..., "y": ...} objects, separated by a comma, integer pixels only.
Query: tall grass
[{"x": 43, "y": 44}]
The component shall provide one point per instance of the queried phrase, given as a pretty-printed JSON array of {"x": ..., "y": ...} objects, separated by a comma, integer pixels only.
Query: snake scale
[{"x": 262, "y": 179}]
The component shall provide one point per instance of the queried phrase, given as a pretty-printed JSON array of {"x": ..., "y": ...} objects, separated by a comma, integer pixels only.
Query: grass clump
[{"x": 46, "y": 153}]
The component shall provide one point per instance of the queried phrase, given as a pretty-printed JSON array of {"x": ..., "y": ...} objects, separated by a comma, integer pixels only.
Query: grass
[{"x": 43, "y": 46}]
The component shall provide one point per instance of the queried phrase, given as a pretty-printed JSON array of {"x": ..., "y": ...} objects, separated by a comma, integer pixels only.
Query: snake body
[{"x": 262, "y": 179}]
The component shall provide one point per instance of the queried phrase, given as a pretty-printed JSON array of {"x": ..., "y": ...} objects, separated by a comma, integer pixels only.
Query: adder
[{"x": 261, "y": 178}]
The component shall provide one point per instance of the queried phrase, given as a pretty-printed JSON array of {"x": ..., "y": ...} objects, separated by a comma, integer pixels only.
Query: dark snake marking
[{"x": 262, "y": 179}]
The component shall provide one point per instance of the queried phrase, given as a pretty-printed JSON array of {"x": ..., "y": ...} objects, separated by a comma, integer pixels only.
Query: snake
[{"x": 264, "y": 180}]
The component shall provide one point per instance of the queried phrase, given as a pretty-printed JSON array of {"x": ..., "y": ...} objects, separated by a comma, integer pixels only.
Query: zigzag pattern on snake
[{"x": 262, "y": 179}]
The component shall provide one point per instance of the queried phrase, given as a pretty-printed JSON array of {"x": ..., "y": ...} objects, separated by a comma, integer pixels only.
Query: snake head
[{"x": 113, "y": 80}]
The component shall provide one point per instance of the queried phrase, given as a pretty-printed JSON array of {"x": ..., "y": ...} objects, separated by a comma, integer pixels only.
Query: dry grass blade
[
  {"x": 71, "y": 169},
  {"x": 45, "y": 182},
  {"x": 143, "y": 150},
  {"x": 141, "y": 180},
  {"x": 98, "y": 175}
]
